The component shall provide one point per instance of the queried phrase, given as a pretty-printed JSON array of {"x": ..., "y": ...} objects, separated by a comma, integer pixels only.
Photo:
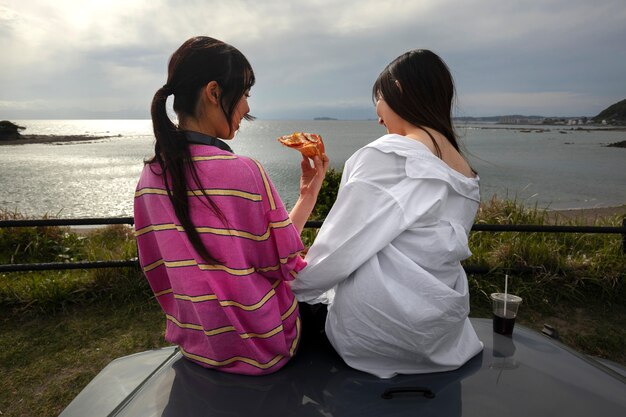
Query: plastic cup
[{"x": 504, "y": 312}]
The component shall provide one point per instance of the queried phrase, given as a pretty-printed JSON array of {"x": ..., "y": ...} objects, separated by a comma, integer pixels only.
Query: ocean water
[{"x": 556, "y": 167}]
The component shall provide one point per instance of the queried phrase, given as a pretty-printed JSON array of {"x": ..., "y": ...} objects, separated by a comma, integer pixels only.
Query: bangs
[
  {"x": 241, "y": 72},
  {"x": 248, "y": 82},
  {"x": 248, "y": 78},
  {"x": 240, "y": 80}
]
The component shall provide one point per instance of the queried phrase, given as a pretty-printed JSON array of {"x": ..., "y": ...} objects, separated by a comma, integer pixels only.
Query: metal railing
[{"x": 134, "y": 263}]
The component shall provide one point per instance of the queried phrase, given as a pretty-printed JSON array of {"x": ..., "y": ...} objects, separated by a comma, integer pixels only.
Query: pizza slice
[{"x": 309, "y": 144}]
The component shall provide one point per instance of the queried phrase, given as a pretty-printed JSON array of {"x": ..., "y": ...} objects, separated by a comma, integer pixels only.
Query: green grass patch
[
  {"x": 546, "y": 268},
  {"x": 51, "y": 291},
  {"x": 47, "y": 359}
]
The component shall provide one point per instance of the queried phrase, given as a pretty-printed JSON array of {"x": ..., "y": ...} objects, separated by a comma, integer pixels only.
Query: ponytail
[{"x": 172, "y": 153}]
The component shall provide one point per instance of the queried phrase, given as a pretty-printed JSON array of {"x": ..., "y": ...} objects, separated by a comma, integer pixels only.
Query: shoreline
[
  {"x": 36, "y": 139},
  {"x": 588, "y": 215},
  {"x": 545, "y": 128}
]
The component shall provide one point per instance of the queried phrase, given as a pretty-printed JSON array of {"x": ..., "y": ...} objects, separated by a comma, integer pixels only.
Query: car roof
[{"x": 527, "y": 374}]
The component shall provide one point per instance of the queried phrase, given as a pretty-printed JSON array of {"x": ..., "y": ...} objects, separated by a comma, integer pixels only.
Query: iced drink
[{"x": 504, "y": 312}]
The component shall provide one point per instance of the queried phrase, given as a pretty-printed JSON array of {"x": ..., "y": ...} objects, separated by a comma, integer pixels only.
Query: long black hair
[
  {"x": 418, "y": 87},
  {"x": 195, "y": 63}
]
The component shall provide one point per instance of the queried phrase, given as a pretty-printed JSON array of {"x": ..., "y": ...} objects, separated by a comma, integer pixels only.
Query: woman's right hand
[
  {"x": 310, "y": 185},
  {"x": 312, "y": 176}
]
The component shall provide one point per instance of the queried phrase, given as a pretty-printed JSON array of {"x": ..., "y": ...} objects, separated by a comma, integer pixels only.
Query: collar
[{"x": 202, "y": 139}]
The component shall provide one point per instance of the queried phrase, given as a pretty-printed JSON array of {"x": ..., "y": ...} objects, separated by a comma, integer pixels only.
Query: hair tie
[{"x": 167, "y": 89}]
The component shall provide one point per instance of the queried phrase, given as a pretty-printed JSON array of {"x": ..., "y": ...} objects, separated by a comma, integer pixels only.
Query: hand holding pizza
[{"x": 312, "y": 147}]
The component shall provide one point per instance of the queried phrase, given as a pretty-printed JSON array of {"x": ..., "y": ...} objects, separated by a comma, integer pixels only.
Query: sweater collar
[{"x": 202, "y": 139}]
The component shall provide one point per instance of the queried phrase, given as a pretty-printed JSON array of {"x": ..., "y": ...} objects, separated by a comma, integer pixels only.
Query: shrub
[{"x": 36, "y": 244}]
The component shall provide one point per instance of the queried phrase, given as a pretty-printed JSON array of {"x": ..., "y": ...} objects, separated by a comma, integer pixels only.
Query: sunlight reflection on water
[{"x": 97, "y": 179}]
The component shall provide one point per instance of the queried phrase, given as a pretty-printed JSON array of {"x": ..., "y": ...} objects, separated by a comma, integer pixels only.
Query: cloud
[{"x": 319, "y": 55}]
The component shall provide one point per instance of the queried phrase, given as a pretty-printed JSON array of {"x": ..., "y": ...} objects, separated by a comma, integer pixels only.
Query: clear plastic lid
[{"x": 510, "y": 298}]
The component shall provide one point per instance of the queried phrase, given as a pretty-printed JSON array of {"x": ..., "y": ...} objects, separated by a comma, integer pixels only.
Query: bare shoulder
[{"x": 457, "y": 162}]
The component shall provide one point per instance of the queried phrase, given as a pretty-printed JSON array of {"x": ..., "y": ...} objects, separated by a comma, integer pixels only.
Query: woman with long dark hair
[
  {"x": 215, "y": 241},
  {"x": 387, "y": 259}
]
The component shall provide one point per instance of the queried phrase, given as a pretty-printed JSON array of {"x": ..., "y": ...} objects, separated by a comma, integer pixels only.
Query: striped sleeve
[{"x": 283, "y": 237}]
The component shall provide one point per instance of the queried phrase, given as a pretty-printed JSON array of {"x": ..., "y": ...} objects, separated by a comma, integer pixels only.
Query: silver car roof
[{"x": 527, "y": 374}]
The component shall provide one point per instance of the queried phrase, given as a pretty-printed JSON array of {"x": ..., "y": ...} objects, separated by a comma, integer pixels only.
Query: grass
[
  {"x": 46, "y": 359},
  {"x": 50, "y": 291},
  {"x": 60, "y": 328},
  {"x": 548, "y": 268}
]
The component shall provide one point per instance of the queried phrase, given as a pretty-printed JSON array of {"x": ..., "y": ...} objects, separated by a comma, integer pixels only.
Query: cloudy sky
[{"x": 105, "y": 59}]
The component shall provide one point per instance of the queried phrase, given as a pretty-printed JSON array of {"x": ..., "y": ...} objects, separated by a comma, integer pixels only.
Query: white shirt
[{"x": 387, "y": 260}]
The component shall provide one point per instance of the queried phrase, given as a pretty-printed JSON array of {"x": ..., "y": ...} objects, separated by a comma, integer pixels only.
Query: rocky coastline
[
  {"x": 54, "y": 139},
  {"x": 621, "y": 144}
]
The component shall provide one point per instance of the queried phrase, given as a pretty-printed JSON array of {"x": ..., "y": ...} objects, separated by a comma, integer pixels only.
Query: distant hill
[{"x": 613, "y": 113}]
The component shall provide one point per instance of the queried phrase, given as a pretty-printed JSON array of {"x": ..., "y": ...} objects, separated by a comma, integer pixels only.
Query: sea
[{"x": 554, "y": 167}]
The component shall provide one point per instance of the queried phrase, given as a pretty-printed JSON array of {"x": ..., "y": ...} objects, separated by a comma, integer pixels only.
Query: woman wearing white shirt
[{"x": 387, "y": 258}]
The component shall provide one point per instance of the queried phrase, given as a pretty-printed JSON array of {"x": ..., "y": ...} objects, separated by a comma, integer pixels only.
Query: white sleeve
[{"x": 364, "y": 219}]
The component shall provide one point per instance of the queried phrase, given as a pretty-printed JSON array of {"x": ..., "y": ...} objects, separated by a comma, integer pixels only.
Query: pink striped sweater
[{"x": 238, "y": 315}]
